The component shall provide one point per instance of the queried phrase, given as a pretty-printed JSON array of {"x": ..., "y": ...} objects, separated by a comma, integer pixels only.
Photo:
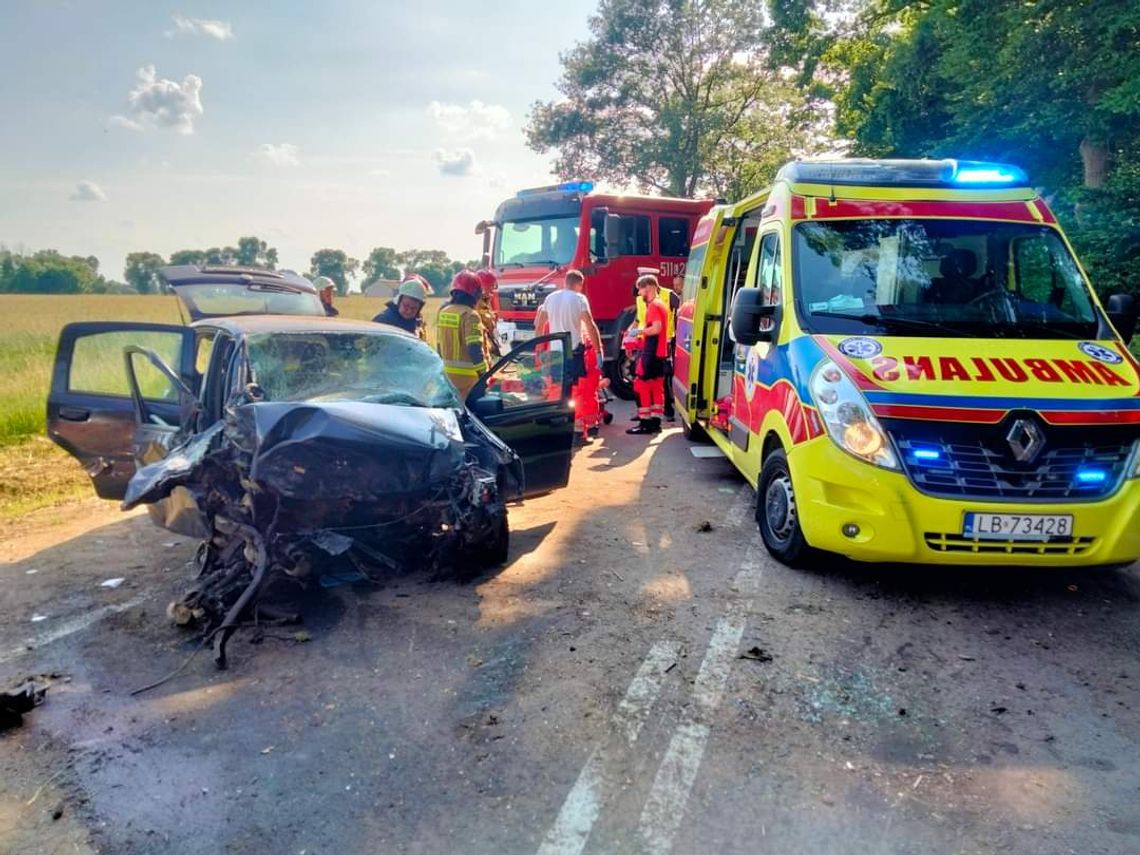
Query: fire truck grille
[{"x": 1072, "y": 464}]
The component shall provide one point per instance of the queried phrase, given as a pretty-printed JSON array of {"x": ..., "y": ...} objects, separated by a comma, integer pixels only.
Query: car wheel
[
  {"x": 622, "y": 374},
  {"x": 777, "y": 513}
]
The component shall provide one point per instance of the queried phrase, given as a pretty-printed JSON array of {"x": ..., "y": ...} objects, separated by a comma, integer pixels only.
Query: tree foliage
[
  {"x": 1052, "y": 85},
  {"x": 49, "y": 272},
  {"x": 337, "y": 265},
  {"x": 141, "y": 271},
  {"x": 382, "y": 263},
  {"x": 674, "y": 96},
  {"x": 434, "y": 265}
]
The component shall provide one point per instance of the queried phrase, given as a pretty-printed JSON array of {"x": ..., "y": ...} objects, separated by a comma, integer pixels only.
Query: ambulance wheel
[
  {"x": 777, "y": 514},
  {"x": 694, "y": 432}
]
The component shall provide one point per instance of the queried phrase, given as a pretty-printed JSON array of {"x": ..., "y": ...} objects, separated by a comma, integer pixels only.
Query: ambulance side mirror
[
  {"x": 752, "y": 320},
  {"x": 1122, "y": 313}
]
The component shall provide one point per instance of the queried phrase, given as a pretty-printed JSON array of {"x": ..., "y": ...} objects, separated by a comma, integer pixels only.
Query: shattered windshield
[
  {"x": 945, "y": 277},
  {"x": 349, "y": 366}
]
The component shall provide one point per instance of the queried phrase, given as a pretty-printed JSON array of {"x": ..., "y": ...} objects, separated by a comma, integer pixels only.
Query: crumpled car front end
[{"x": 297, "y": 493}]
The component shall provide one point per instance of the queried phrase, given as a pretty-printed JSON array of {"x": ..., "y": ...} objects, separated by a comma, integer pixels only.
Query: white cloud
[
  {"x": 380, "y": 173},
  {"x": 162, "y": 103},
  {"x": 88, "y": 191},
  {"x": 220, "y": 30},
  {"x": 282, "y": 154},
  {"x": 459, "y": 162},
  {"x": 475, "y": 121}
]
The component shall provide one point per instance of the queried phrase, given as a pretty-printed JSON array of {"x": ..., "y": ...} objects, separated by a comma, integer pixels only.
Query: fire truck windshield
[
  {"x": 939, "y": 277},
  {"x": 540, "y": 240}
]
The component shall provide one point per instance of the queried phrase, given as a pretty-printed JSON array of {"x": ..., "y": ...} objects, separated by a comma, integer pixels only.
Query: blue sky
[{"x": 345, "y": 123}]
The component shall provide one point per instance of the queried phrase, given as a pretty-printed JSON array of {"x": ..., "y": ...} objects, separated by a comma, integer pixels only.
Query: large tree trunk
[{"x": 1094, "y": 157}]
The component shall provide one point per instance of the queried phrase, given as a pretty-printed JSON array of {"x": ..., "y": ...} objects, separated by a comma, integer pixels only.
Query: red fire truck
[{"x": 540, "y": 233}]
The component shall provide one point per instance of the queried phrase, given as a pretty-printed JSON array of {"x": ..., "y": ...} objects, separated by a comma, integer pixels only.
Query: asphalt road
[{"x": 627, "y": 683}]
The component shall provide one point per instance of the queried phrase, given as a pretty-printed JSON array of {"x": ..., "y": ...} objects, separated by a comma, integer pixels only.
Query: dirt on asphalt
[{"x": 861, "y": 709}]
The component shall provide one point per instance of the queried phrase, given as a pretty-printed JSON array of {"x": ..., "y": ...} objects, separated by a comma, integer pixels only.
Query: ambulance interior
[{"x": 736, "y": 273}]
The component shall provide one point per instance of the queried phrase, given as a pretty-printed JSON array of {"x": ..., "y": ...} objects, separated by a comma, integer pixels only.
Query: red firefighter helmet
[
  {"x": 487, "y": 280},
  {"x": 466, "y": 283}
]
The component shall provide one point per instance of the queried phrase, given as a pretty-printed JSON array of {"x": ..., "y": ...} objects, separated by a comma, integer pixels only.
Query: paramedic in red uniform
[{"x": 649, "y": 383}]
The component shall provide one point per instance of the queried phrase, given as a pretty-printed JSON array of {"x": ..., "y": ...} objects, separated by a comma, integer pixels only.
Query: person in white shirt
[{"x": 567, "y": 310}]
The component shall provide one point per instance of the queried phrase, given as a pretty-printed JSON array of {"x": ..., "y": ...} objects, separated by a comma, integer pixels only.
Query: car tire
[{"x": 777, "y": 515}]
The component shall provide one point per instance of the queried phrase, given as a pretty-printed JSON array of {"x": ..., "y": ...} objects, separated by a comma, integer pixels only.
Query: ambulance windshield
[{"x": 940, "y": 277}]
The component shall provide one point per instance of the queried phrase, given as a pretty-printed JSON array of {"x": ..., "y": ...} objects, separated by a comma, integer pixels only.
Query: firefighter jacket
[
  {"x": 487, "y": 318},
  {"x": 461, "y": 343}
]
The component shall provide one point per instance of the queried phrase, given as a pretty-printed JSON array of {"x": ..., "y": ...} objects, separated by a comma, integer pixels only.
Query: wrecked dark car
[{"x": 304, "y": 449}]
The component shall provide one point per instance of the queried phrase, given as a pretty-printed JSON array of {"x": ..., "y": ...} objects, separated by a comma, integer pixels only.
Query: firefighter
[
  {"x": 485, "y": 306},
  {"x": 406, "y": 311},
  {"x": 325, "y": 289},
  {"x": 649, "y": 383},
  {"x": 459, "y": 333}
]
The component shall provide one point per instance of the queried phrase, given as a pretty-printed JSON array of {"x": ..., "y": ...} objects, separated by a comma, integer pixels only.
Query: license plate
[{"x": 1017, "y": 526}]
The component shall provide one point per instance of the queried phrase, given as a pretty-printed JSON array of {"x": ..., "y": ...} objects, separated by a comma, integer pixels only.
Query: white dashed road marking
[{"x": 595, "y": 785}]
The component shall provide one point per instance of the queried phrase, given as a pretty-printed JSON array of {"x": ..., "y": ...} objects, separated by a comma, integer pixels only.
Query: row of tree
[
  {"x": 709, "y": 97},
  {"x": 49, "y": 272}
]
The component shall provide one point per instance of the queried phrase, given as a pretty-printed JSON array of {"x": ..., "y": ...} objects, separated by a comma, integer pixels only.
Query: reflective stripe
[
  {"x": 465, "y": 369},
  {"x": 448, "y": 319}
]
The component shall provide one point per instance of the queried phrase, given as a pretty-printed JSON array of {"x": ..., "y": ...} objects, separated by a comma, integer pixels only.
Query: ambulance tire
[
  {"x": 776, "y": 514},
  {"x": 694, "y": 432}
]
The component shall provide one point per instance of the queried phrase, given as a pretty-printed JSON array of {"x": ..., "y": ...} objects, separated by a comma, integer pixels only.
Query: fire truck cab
[
  {"x": 908, "y": 363},
  {"x": 541, "y": 232}
]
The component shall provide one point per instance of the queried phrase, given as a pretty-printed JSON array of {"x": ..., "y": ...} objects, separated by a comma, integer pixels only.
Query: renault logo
[{"x": 1026, "y": 439}]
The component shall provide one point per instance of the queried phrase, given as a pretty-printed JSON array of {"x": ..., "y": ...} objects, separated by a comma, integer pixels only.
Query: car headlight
[{"x": 849, "y": 421}]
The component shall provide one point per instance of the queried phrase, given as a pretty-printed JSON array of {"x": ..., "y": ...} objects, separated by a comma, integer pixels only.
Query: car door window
[
  {"x": 529, "y": 376},
  {"x": 98, "y": 367}
]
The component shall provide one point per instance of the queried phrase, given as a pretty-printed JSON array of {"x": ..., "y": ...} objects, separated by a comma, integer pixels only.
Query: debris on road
[
  {"x": 756, "y": 654},
  {"x": 112, "y": 583},
  {"x": 21, "y": 700},
  {"x": 705, "y": 526}
]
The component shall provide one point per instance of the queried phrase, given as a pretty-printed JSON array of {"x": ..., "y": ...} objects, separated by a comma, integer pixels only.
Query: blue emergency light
[
  {"x": 927, "y": 455},
  {"x": 566, "y": 186},
  {"x": 973, "y": 172},
  {"x": 865, "y": 172},
  {"x": 1092, "y": 476}
]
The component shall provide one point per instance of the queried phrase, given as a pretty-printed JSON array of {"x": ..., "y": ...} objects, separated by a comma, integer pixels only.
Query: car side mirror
[
  {"x": 752, "y": 320},
  {"x": 612, "y": 233},
  {"x": 485, "y": 405},
  {"x": 1122, "y": 312}
]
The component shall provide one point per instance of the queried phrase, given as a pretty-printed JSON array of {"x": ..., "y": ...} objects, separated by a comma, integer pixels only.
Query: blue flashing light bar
[
  {"x": 566, "y": 186},
  {"x": 865, "y": 172},
  {"x": 1092, "y": 476},
  {"x": 927, "y": 455},
  {"x": 973, "y": 172}
]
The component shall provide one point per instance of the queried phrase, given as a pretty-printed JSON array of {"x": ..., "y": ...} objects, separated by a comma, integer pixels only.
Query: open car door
[
  {"x": 109, "y": 401},
  {"x": 525, "y": 400}
]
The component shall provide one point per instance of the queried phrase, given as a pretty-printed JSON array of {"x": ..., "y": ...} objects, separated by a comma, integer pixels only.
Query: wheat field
[{"x": 36, "y": 472}]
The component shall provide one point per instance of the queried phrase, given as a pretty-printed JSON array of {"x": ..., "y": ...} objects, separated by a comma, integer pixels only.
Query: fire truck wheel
[
  {"x": 777, "y": 514},
  {"x": 621, "y": 375}
]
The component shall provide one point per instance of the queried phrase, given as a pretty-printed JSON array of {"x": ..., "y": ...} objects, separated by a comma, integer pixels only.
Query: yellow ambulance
[{"x": 908, "y": 363}]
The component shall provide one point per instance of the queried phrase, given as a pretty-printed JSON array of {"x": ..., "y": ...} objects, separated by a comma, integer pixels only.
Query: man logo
[{"x": 1026, "y": 439}]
